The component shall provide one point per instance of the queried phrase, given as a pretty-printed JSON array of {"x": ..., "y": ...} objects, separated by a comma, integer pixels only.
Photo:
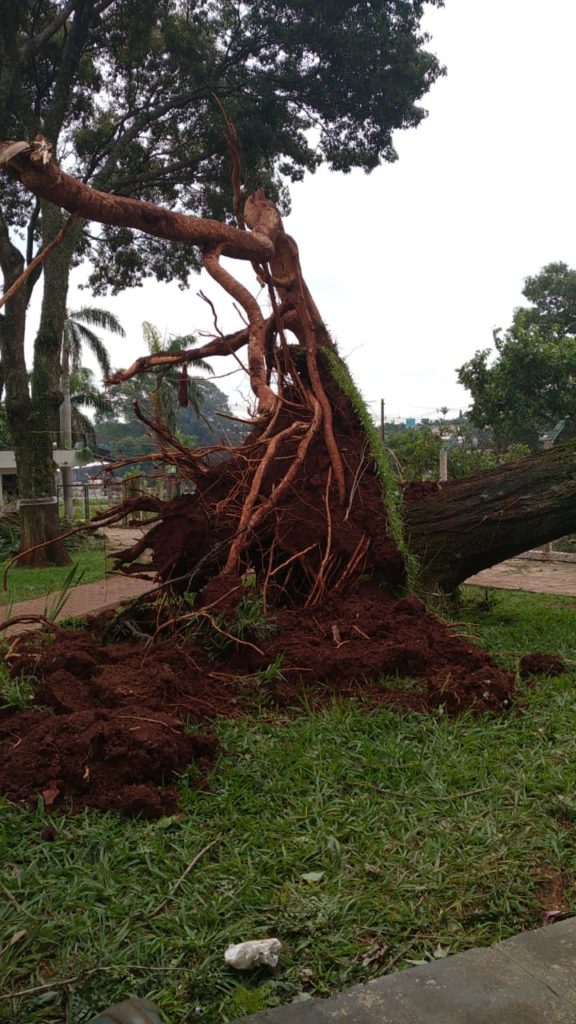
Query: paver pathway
[
  {"x": 539, "y": 577},
  {"x": 88, "y": 598},
  {"x": 83, "y": 600},
  {"x": 531, "y": 573}
]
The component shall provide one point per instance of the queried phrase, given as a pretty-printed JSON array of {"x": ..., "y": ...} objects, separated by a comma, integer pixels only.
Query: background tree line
[{"x": 523, "y": 388}]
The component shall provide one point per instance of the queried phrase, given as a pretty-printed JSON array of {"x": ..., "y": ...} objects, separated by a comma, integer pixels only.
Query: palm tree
[
  {"x": 182, "y": 390},
  {"x": 76, "y": 334},
  {"x": 85, "y": 394}
]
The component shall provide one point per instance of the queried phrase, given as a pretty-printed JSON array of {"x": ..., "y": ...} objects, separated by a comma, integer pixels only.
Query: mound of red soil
[
  {"x": 108, "y": 729},
  {"x": 100, "y": 758},
  {"x": 109, "y": 726},
  {"x": 539, "y": 664}
]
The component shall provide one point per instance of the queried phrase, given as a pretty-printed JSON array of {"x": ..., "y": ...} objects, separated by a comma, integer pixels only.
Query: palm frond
[
  {"x": 97, "y": 317},
  {"x": 180, "y": 342},
  {"x": 83, "y": 429},
  {"x": 92, "y": 399},
  {"x": 89, "y": 338},
  {"x": 153, "y": 338},
  {"x": 74, "y": 342}
]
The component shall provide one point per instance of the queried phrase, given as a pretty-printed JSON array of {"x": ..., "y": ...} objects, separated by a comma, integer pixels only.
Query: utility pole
[
  {"x": 382, "y": 418},
  {"x": 66, "y": 434}
]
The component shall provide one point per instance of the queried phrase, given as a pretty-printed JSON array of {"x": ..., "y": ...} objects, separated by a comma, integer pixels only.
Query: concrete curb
[
  {"x": 547, "y": 556},
  {"x": 529, "y": 979}
]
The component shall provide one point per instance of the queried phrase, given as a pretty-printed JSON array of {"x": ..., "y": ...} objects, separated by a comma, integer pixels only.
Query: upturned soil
[
  {"x": 117, "y": 716},
  {"x": 115, "y": 723}
]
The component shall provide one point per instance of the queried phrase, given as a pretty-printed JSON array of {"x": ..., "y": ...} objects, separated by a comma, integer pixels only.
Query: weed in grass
[
  {"x": 54, "y": 606},
  {"x": 405, "y": 683},
  {"x": 250, "y": 623},
  {"x": 73, "y": 622},
  {"x": 263, "y": 684},
  {"x": 244, "y": 1001},
  {"x": 16, "y": 693}
]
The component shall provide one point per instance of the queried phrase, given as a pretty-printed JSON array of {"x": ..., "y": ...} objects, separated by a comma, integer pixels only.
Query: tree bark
[
  {"x": 470, "y": 524},
  {"x": 33, "y": 418},
  {"x": 40, "y": 523}
]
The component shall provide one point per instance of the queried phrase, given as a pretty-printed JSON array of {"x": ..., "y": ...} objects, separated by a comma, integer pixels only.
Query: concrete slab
[{"x": 529, "y": 979}]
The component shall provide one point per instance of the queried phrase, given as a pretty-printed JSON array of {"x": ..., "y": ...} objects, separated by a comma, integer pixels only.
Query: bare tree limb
[
  {"x": 223, "y": 346},
  {"x": 37, "y": 261},
  {"x": 45, "y": 179}
]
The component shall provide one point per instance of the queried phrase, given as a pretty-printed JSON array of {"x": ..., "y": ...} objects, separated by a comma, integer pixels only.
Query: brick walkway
[
  {"x": 539, "y": 577},
  {"x": 82, "y": 600}
]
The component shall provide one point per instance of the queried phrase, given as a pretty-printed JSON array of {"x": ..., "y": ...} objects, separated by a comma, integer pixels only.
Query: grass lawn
[
  {"x": 364, "y": 841},
  {"x": 24, "y": 584}
]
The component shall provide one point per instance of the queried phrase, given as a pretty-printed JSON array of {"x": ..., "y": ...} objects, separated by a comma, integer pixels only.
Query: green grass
[
  {"x": 25, "y": 584},
  {"x": 428, "y": 832}
]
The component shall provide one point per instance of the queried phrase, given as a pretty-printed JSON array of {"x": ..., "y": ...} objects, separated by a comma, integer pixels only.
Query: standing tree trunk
[
  {"x": 33, "y": 417},
  {"x": 41, "y": 523}
]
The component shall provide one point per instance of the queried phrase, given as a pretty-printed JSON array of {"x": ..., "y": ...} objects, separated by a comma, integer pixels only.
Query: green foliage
[
  {"x": 530, "y": 384},
  {"x": 133, "y": 91},
  {"x": 552, "y": 294},
  {"x": 468, "y": 460},
  {"x": 16, "y": 692},
  {"x": 416, "y": 454},
  {"x": 391, "y": 494}
]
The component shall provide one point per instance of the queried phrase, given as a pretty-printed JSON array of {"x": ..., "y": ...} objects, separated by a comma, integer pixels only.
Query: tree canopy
[
  {"x": 530, "y": 384},
  {"x": 131, "y": 93}
]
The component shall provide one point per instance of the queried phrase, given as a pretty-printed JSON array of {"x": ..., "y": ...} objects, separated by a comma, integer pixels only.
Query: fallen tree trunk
[
  {"x": 467, "y": 525},
  {"x": 307, "y": 505}
]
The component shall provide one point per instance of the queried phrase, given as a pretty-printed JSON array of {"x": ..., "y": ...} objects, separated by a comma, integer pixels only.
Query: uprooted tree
[
  {"x": 279, "y": 570},
  {"x": 307, "y": 502}
]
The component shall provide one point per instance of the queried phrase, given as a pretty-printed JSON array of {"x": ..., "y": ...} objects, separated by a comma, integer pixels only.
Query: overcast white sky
[{"x": 414, "y": 265}]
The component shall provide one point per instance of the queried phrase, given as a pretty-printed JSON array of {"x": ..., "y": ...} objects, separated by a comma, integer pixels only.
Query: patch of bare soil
[
  {"x": 540, "y": 664},
  {"x": 554, "y": 893},
  {"x": 109, "y": 725}
]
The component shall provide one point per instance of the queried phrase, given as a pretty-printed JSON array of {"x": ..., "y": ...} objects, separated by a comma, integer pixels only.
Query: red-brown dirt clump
[
  {"x": 108, "y": 728},
  {"x": 540, "y": 664}
]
